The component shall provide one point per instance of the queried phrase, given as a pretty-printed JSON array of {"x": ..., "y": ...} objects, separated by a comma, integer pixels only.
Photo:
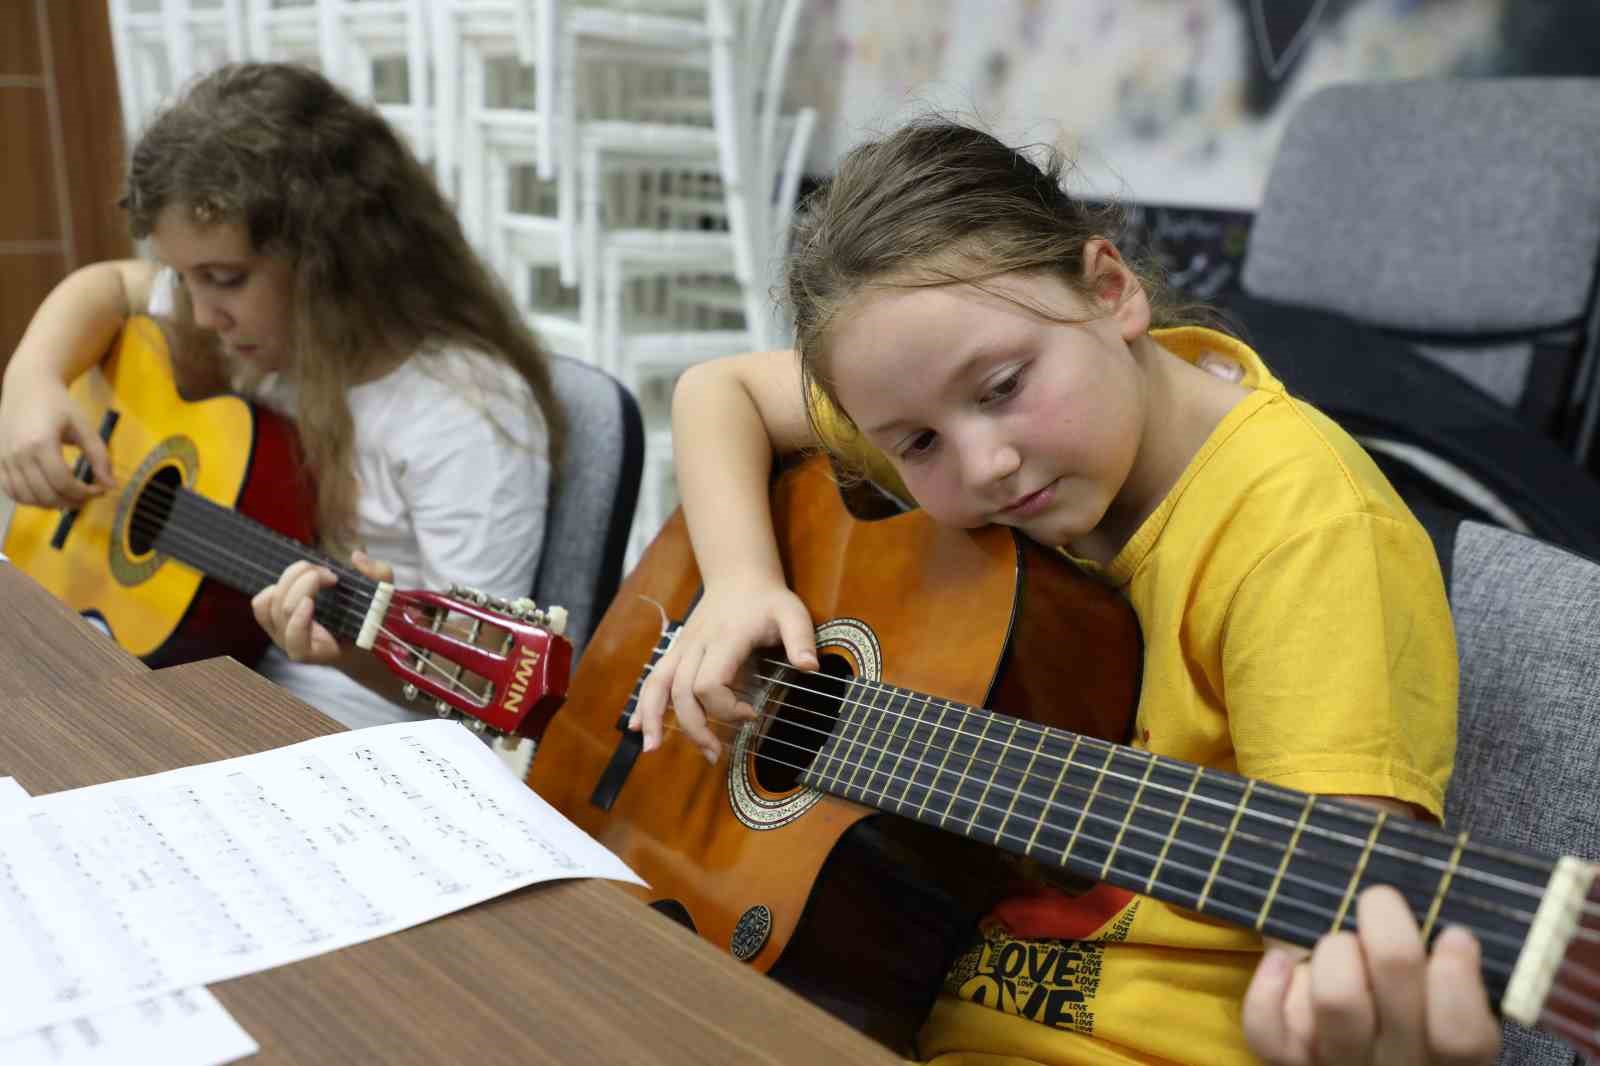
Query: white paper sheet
[
  {"x": 184, "y": 1028},
  {"x": 132, "y": 889}
]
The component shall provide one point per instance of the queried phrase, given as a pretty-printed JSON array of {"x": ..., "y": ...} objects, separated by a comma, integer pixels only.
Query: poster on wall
[{"x": 1159, "y": 101}]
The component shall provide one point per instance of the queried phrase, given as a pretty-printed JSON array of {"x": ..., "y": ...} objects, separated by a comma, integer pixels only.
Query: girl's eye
[
  {"x": 919, "y": 446},
  {"x": 1005, "y": 388},
  {"x": 225, "y": 281}
]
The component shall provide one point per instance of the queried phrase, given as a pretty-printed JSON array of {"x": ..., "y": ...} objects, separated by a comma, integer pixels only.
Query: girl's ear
[{"x": 1116, "y": 288}]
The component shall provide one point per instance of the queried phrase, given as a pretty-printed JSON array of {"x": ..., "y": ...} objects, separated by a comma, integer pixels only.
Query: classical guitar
[
  {"x": 211, "y": 508},
  {"x": 977, "y": 688}
]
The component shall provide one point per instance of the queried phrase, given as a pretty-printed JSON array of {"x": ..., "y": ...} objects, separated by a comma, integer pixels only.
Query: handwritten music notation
[{"x": 134, "y": 889}]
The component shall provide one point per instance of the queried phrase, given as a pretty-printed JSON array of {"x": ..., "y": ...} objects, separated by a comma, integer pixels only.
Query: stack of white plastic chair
[
  {"x": 690, "y": 278},
  {"x": 480, "y": 45},
  {"x": 494, "y": 94},
  {"x": 366, "y": 44},
  {"x": 295, "y": 31},
  {"x": 160, "y": 45},
  {"x": 618, "y": 70}
]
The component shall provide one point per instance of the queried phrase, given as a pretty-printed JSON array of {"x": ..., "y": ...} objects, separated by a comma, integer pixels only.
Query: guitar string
[
  {"x": 344, "y": 604},
  {"x": 1355, "y": 813},
  {"x": 1003, "y": 793},
  {"x": 1362, "y": 816},
  {"x": 347, "y": 607},
  {"x": 221, "y": 520},
  {"x": 1249, "y": 891},
  {"x": 1489, "y": 963},
  {"x": 140, "y": 520}
]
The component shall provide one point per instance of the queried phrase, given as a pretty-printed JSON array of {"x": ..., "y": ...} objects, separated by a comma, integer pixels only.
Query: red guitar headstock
[{"x": 504, "y": 664}]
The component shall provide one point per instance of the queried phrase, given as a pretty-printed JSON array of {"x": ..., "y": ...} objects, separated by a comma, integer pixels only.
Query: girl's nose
[
  {"x": 208, "y": 315},
  {"x": 991, "y": 461}
]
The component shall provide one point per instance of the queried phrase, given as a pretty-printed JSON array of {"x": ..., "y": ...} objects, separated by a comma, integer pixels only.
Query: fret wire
[
  {"x": 1133, "y": 805},
  {"x": 1444, "y": 887},
  {"x": 1027, "y": 773},
  {"x": 872, "y": 719},
  {"x": 966, "y": 775},
  {"x": 1100, "y": 775},
  {"x": 933, "y": 782},
  {"x": 989, "y": 783},
  {"x": 1049, "y": 804},
  {"x": 846, "y": 721},
  {"x": 1226, "y": 841},
  {"x": 1177, "y": 822},
  {"x": 917, "y": 764},
  {"x": 1288, "y": 853},
  {"x": 850, "y": 737},
  {"x": 961, "y": 776},
  {"x": 638, "y": 686},
  {"x": 899, "y": 748}
]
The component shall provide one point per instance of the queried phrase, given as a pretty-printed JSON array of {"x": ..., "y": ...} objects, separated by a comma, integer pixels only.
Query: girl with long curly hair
[{"x": 304, "y": 257}]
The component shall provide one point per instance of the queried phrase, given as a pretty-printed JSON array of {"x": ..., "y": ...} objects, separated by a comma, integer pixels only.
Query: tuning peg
[
  {"x": 408, "y": 692},
  {"x": 557, "y": 620}
]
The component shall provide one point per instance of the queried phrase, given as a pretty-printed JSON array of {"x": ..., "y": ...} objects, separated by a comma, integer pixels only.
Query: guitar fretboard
[
  {"x": 247, "y": 556},
  {"x": 1285, "y": 863}
]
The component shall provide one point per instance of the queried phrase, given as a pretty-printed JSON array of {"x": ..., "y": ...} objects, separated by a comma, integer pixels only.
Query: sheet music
[
  {"x": 184, "y": 1028},
  {"x": 132, "y": 889}
]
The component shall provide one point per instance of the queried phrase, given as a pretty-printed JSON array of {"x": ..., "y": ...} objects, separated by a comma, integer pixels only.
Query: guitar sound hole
[
  {"x": 154, "y": 507},
  {"x": 801, "y": 712}
]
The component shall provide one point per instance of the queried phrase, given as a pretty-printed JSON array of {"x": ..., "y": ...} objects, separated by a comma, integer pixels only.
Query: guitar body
[
  {"x": 842, "y": 904},
  {"x": 222, "y": 448}
]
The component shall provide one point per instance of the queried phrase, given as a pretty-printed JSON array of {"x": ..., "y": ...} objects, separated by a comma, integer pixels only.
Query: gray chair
[
  {"x": 1463, "y": 214},
  {"x": 1527, "y": 619},
  {"x": 1423, "y": 266},
  {"x": 596, "y": 488}
]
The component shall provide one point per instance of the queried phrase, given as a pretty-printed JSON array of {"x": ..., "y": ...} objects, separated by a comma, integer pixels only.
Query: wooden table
[{"x": 569, "y": 972}]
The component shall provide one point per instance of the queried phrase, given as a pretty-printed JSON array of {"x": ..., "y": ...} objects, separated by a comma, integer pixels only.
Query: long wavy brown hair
[
  {"x": 943, "y": 203},
  {"x": 381, "y": 267}
]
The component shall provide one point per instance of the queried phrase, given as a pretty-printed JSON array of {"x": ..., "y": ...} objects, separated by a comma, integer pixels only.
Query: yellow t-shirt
[{"x": 1296, "y": 630}]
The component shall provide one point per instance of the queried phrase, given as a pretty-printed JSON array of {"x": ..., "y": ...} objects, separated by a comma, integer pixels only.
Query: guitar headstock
[{"x": 503, "y": 664}]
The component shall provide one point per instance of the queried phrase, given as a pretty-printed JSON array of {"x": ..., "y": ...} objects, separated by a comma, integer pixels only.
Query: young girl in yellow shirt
[{"x": 970, "y": 341}]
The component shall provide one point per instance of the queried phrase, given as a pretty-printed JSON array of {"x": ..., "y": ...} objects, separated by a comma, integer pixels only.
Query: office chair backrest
[
  {"x": 1463, "y": 214},
  {"x": 597, "y": 486},
  {"x": 1527, "y": 619}
]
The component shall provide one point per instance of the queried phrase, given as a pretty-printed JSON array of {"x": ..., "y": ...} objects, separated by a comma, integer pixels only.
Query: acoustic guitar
[
  {"x": 973, "y": 693},
  {"x": 212, "y": 505}
]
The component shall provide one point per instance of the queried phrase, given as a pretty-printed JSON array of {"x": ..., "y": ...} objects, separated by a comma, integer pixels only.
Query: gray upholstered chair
[
  {"x": 1463, "y": 214},
  {"x": 1423, "y": 266},
  {"x": 591, "y": 508},
  {"x": 1527, "y": 619}
]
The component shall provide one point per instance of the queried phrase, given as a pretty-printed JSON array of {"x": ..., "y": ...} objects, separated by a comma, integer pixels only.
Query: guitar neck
[
  {"x": 1284, "y": 863},
  {"x": 247, "y": 556}
]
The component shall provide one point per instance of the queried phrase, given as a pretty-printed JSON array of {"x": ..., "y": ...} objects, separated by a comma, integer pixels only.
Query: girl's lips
[{"x": 1032, "y": 503}]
